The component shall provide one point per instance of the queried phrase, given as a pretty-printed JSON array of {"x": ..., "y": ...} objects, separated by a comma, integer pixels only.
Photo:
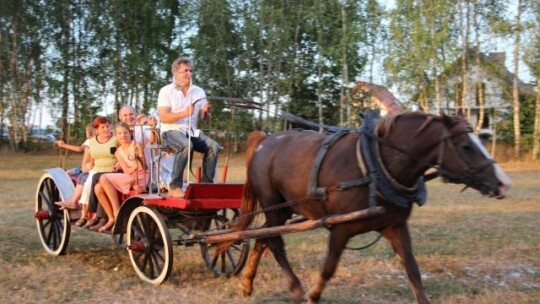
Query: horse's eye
[{"x": 467, "y": 148}]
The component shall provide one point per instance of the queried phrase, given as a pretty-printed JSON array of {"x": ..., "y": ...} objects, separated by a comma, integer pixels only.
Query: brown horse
[{"x": 280, "y": 165}]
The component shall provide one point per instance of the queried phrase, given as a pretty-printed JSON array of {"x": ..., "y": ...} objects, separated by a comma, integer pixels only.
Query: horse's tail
[{"x": 249, "y": 200}]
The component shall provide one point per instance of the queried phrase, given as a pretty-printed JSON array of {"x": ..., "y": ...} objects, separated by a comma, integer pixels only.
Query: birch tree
[
  {"x": 532, "y": 59},
  {"x": 515, "y": 82},
  {"x": 21, "y": 66}
]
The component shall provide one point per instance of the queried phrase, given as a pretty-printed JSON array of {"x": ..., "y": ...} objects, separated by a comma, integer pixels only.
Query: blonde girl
[{"x": 130, "y": 157}]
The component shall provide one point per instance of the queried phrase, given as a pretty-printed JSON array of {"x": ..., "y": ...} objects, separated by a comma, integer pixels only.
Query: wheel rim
[
  {"x": 234, "y": 258},
  {"x": 149, "y": 245},
  {"x": 119, "y": 240},
  {"x": 54, "y": 229}
]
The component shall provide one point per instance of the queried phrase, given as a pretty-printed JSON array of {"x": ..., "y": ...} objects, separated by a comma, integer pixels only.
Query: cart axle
[
  {"x": 42, "y": 215},
  {"x": 137, "y": 246}
]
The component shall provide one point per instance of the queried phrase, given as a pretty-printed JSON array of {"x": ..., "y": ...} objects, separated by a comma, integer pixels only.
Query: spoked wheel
[
  {"x": 234, "y": 258},
  {"x": 149, "y": 245},
  {"x": 119, "y": 240},
  {"x": 53, "y": 224}
]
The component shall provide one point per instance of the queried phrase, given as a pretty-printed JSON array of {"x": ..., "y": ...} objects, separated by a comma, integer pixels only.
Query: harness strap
[
  {"x": 354, "y": 183},
  {"x": 315, "y": 192}
]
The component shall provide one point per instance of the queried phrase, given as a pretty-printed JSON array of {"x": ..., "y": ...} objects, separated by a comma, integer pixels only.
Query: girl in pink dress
[{"x": 130, "y": 156}]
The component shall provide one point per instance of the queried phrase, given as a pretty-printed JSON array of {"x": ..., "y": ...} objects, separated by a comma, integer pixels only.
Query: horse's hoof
[
  {"x": 246, "y": 292},
  {"x": 311, "y": 298},
  {"x": 299, "y": 296}
]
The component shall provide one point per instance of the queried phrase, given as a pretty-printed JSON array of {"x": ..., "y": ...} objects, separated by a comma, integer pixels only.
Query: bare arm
[
  {"x": 140, "y": 155},
  {"x": 152, "y": 136},
  {"x": 167, "y": 116},
  {"x": 123, "y": 164},
  {"x": 73, "y": 148},
  {"x": 87, "y": 160}
]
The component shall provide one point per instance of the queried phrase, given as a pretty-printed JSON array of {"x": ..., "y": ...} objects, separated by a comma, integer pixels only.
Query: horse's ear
[{"x": 448, "y": 121}]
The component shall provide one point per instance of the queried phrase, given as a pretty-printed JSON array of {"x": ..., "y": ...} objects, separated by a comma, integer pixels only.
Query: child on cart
[
  {"x": 82, "y": 171},
  {"x": 130, "y": 157}
]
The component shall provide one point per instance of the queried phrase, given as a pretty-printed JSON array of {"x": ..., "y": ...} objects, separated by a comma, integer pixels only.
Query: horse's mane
[{"x": 386, "y": 124}]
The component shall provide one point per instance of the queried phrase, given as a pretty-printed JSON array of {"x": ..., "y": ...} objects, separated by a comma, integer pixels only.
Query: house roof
[
  {"x": 381, "y": 95},
  {"x": 494, "y": 65}
]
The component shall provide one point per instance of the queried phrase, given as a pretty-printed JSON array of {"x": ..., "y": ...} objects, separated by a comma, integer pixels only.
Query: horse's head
[{"x": 464, "y": 159}]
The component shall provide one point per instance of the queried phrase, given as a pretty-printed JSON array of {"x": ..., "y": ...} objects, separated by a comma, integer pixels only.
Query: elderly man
[
  {"x": 127, "y": 115},
  {"x": 180, "y": 104}
]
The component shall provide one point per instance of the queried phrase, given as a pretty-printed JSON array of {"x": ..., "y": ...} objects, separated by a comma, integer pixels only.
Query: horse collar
[{"x": 381, "y": 180}]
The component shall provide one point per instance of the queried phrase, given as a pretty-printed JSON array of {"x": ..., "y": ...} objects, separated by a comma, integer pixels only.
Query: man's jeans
[{"x": 178, "y": 141}]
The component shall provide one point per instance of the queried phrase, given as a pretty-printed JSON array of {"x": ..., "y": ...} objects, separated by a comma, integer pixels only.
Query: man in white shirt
[{"x": 180, "y": 104}]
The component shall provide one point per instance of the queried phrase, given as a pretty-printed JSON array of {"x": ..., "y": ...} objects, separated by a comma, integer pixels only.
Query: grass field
[{"x": 470, "y": 249}]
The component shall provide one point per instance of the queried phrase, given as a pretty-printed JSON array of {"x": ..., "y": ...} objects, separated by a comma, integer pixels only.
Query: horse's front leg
[
  {"x": 401, "y": 243},
  {"x": 338, "y": 241},
  {"x": 250, "y": 270}
]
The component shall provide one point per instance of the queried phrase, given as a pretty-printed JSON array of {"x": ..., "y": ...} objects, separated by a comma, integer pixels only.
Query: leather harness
[{"x": 376, "y": 177}]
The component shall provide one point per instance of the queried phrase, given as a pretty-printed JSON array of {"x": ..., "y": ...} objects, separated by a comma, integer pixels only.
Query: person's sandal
[
  {"x": 91, "y": 222},
  {"x": 102, "y": 222},
  {"x": 107, "y": 227},
  {"x": 80, "y": 222}
]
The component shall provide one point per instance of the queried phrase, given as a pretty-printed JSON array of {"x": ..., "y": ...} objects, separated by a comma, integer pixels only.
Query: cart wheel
[
  {"x": 233, "y": 259},
  {"x": 119, "y": 240},
  {"x": 149, "y": 245},
  {"x": 52, "y": 223}
]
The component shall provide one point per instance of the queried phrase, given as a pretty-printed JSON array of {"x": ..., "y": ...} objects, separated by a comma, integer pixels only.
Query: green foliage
[
  {"x": 532, "y": 49},
  {"x": 77, "y": 56},
  {"x": 527, "y": 115}
]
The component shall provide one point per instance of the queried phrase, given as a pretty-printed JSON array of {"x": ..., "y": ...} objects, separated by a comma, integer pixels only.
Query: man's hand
[
  {"x": 205, "y": 113},
  {"x": 206, "y": 117}
]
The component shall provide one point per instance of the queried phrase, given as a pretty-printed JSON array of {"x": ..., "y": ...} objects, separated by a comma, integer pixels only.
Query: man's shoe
[{"x": 176, "y": 192}]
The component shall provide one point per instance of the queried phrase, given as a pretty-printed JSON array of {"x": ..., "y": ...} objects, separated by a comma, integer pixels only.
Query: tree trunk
[
  {"x": 344, "y": 68},
  {"x": 3, "y": 100},
  {"x": 14, "y": 134},
  {"x": 479, "y": 77},
  {"x": 465, "y": 102},
  {"x": 536, "y": 136},
  {"x": 494, "y": 136},
  {"x": 319, "y": 75},
  {"x": 436, "y": 73},
  {"x": 515, "y": 89},
  {"x": 66, "y": 51}
]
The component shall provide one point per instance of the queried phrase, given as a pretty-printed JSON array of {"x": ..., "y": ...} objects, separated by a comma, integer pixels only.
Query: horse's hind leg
[
  {"x": 250, "y": 271},
  {"x": 401, "y": 243},
  {"x": 338, "y": 241},
  {"x": 277, "y": 246}
]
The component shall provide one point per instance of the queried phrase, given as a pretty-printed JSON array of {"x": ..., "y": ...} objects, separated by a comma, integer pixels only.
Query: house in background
[{"x": 496, "y": 88}]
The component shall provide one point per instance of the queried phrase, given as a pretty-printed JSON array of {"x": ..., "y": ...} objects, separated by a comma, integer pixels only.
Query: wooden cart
[{"x": 145, "y": 221}]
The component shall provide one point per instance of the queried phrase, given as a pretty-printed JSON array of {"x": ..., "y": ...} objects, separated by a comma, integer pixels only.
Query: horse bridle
[
  {"x": 467, "y": 179},
  {"x": 445, "y": 142}
]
